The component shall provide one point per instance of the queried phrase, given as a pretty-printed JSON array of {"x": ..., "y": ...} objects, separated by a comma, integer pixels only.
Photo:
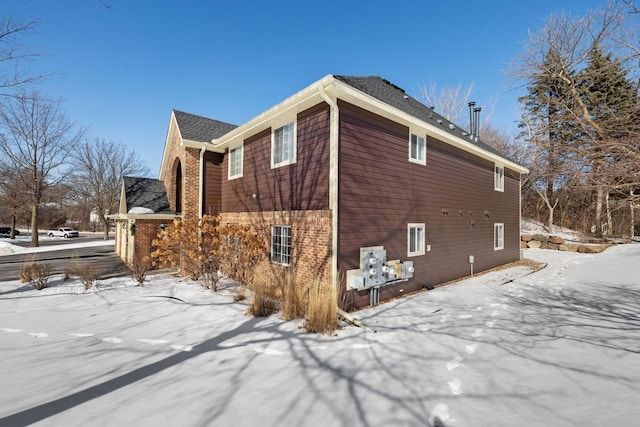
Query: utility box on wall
[{"x": 375, "y": 271}]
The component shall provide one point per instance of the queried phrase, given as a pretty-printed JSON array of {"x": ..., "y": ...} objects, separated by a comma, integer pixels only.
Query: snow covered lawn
[{"x": 560, "y": 347}]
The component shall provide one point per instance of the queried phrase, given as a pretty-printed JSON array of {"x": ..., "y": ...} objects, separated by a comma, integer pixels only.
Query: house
[{"x": 352, "y": 178}]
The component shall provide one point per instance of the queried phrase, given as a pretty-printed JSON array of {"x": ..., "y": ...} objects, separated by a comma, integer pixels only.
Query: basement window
[
  {"x": 499, "y": 178},
  {"x": 415, "y": 239},
  {"x": 498, "y": 236},
  {"x": 281, "y": 244},
  {"x": 235, "y": 162},
  {"x": 417, "y": 149},
  {"x": 283, "y": 145}
]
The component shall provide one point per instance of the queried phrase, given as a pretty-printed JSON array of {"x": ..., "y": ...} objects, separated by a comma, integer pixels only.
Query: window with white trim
[
  {"x": 235, "y": 162},
  {"x": 283, "y": 145},
  {"x": 499, "y": 178},
  {"x": 281, "y": 244},
  {"x": 415, "y": 239},
  {"x": 498, "y": 236},
  {"x": 417, "y": 149}
]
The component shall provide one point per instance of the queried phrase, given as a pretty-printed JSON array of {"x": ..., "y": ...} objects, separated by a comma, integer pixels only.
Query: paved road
[{"x": 103, "y": 257}]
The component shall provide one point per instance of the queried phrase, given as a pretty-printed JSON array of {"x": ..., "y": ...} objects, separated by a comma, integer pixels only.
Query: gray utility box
[
  {"x": 373, "y": 267},
  {"x": 375, "y": 270}
]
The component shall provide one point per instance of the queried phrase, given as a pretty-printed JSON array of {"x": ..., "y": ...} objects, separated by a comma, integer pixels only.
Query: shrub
[
  {"x": 191, "y": 244},
  {"x": 293, "y": 297},
  {"x": 263, "y": 303},
  {"x": 203, "y": 247},
  {"x": 240, "y": 295},
  {"x": 88, "y": 275},
  {"x": 72, "y": 269},
  {"x": 240, "y": 250},
  {"x": 37, "y": 275},
  {"x": 139, "y": 269},
  {"x": 322, "y": 314}
]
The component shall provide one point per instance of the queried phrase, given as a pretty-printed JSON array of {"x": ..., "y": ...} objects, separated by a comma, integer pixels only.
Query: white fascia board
[
  {"x": 173, "y": 127},
  {"x": 143, "y": 216},
  {"x": 307, "y": 97},
  {"x": 361, "y": 99},
  {"x": 187, "y": 143}
]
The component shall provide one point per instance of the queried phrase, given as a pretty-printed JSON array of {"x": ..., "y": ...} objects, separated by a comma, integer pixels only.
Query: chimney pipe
[
  {"x": 471, "y": 125},
  {"x": 476, "y": 133}
]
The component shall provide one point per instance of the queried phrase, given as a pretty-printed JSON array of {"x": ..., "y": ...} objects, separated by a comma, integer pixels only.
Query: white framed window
[
  {"x": 417, "y": 149},
  {"x": 235, "y": 162},
  {"x": 283, "y": 145},
  {"x": 499, "y": 178},
  {"x": 415, "y": 239},
  {"x": 281, "y": 244},
  {"x": 498, "y": 236}
]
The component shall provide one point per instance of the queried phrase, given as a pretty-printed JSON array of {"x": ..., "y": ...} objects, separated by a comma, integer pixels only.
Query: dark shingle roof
[
  {"x": 201, "y": 129},
  {"x": 147, "y": 193},
  {"x": 391, "y": 94}
]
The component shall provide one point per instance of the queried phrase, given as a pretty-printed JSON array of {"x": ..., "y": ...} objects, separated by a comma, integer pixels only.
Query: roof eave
[
  {"x": 143, "y": 216},
  {"x": 361, "y": 99},
  {"x": 307, "y": 97}
]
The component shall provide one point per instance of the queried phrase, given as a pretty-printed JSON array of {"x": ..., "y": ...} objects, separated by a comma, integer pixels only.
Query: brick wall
[
  {"x": 189, "y": 160},
  {"x": 310, "y": 238},
  {"x": 146, "y": 231}
]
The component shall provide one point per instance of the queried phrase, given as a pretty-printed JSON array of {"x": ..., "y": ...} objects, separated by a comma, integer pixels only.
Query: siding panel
[
  {"x": 381, "y": 192},
  {"x": 300, "y": 186}
]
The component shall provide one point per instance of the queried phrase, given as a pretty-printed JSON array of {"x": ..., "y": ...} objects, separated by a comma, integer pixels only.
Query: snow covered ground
[{"x": 560, "y": 347}]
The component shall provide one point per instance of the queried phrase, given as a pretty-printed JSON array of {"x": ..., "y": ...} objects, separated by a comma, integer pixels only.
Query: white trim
[
  {"x": 422, "y": 241},
  {"x": 498, "y": 178},
  {"x": 374, "y": 105},
  {"x": 294, "y": 145},
  {"x": 419, "y": 161},
  {"x": 334, "y": 152},
  {"x": 281, "y": 226},
  {"x": 201, "y": 183},
  {"x": 229, "y": 163},
  {"x": 498, "y": 237}
]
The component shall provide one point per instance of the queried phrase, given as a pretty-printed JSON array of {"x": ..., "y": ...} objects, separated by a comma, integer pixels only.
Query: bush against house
[{"x": 200, "y": 248}]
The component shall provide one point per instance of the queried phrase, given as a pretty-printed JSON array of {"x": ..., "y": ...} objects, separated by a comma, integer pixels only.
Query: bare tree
[
  {"x": 13, "y": 196},
  {"x": 449, "y": 101},
  {"x": 13, "y": 54},
  {"x": 101, "y": 164},
  {"x": 35, "y": 141},
  {"x": 560, "y": 53}
]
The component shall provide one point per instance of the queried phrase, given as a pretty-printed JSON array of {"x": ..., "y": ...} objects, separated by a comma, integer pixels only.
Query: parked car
[
  {"x": 6, "y": 232},
  {"x": 65, "y": 232}
]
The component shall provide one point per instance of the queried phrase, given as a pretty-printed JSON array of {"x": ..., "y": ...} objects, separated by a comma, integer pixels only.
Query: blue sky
[{"x": 122, "y": 70}]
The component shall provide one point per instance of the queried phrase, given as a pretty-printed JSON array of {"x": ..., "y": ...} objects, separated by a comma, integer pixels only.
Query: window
[
  {"x": 417, "y": 149},
  {"x": 415, "y": 239},
  {"x": 499, "y": 178},
  {"x": 235, "y": 162},
  {"x": 498, "y": 236},
  {"x": 281, "y": 244},
  {"x": 283, "y": 145}
]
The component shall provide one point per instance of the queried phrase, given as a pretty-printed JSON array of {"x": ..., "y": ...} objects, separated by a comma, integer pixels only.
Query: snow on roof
[{"x": 140, "y": 210}]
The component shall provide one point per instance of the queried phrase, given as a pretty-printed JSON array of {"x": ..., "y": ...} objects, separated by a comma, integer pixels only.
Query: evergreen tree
[{"x": 610, "y": 98}]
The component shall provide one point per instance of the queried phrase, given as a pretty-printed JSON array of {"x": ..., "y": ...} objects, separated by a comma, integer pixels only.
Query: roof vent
[
  {"x": 452, "y": 126},
  {"x": 439, "y": 121},
  {"x": 406, "y": 96}
]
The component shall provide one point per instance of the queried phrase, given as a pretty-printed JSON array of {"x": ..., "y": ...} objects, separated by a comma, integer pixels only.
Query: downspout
[
  {"x": 520, "y": 216},
  {"x": 334, "y": 135},
  {"x": 201, "y": 182}
]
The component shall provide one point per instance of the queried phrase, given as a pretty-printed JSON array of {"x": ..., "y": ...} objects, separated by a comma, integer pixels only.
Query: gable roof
[
  {"x": 147, "y": 193},
  {"x": 395, "y": 96},
  {"x": 370, "y": 92},
  {"x": 200, "y": 129}
]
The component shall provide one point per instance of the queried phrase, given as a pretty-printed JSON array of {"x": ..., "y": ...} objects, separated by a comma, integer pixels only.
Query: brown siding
[
  {"x": 381, "y": 192},
  {"x": 212, "y": 193},
  {"x": 300, "y": 186}
]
